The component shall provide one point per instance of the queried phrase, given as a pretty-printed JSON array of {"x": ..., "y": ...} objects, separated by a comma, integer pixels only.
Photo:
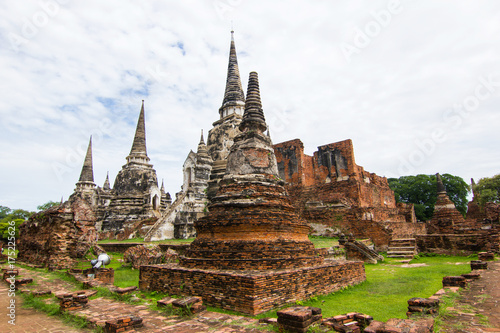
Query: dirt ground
[{"x": 478, "y": 308}]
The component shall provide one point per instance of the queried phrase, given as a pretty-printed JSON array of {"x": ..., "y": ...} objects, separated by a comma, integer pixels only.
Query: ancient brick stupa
[
  {"x": 446, "y": 216},
  {"x": 252, "y": 252},
  {"x": 251, "y": 224}
]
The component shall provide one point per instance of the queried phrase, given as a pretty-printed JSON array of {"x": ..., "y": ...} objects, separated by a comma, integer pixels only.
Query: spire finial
[
  {"x": 107, "y": 185},
  {"x": 87, "y": 174},
  {"x": 139, "y": 144},
  {"x": 253, "y": 117},
  {"x": 201, "y": 138},
  {"x": 233, "y": 95},
  {"x": 440, "y": 185}
]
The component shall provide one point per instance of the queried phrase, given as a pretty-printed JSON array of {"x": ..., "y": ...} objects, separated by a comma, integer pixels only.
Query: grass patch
[
  {"x": 322, "y": 242},
  {"x": 387, "y": 288},
  {"x": 50, "y": 306}
]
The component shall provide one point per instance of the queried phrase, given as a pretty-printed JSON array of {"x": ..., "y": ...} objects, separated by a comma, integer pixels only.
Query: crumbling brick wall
[
  {"x": 330, "y": 189},
  {"x": 57, "y": 237}
]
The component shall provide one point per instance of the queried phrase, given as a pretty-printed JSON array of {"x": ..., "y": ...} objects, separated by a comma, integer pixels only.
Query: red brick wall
[{"x": 251, "y": 292}]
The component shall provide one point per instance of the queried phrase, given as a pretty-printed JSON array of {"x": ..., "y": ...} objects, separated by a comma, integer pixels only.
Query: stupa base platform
[{"x": 252, "y": 292}]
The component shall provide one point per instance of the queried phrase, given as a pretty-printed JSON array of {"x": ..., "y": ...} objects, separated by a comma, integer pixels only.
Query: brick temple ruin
[
  {"x": 252, "y": 252},
  {"x": 330, "y": 189},
  {"x": 448, "y": 232},
  {"x": 327, "y": 189},
  {"x": 350, "y": 199}
]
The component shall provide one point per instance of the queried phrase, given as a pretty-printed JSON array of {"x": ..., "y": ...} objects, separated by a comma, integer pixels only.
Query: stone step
[
  {"x": 393, "y": 244},
  {"x": 399, "y": 241},
  {"x": 401, "y": 248},
  {"x": 402, "y": 239},
  {"x": 406, "y": 253},
  {"x": 400, "y": 256}
]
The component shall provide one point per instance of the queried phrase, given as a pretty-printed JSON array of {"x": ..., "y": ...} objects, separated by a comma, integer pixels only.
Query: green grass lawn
[
  {"x": 388, "y": 287},
  {"x": 322, "y": 242},
  {"x": 383, "y": 295}
]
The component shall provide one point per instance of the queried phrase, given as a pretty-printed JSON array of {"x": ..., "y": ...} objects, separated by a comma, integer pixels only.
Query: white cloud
[{"x": 84, "y": 70}]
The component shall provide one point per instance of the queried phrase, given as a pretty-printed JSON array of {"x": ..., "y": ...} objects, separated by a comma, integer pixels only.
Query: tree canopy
[
  {"x": 47, "y": 205},
  {"x": 488, "y": 190},
  {"x": 11, "y": 217},
  {"x": 421, "y": 190}
]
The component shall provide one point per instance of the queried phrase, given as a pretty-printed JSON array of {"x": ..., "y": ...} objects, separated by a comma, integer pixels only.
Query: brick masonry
[
  {"x": 449, "y": 233},
  {"x": 251, "y": 292},
  {"x": 329, "y": 188}
]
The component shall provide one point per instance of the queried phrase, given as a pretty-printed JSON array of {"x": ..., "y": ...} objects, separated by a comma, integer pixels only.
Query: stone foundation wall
[
  {"x": 455, "y": 244},
  {"x": 251, "y": 292}
]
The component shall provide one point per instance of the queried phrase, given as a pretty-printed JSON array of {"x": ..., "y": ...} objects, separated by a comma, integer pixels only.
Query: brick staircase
[{"x": 404, "y": 248}]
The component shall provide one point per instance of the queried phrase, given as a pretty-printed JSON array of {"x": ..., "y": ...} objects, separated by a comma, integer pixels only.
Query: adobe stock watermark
[
  {"x": 363, "y": 37},
  {"x": 224, "y": 8},
  {"x": 75, "y": 156},
  {"x": 453, "y": 118},
  {"x": 157, "y": 73},
  {"x": 278, "y": 120},
  {"x": 31, "y": 25}
]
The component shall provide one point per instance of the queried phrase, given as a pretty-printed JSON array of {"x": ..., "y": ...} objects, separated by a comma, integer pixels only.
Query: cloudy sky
[{"x": 414, "y": 84}]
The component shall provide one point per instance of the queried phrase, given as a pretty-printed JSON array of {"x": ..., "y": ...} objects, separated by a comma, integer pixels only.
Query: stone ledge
[{"x": 251, "y": 292}]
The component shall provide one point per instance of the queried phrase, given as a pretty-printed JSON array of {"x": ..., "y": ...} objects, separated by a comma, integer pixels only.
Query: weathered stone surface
[
  {"x": 73, "y": 301},
  {"x": 478, "y": 264},
  {"x": 192, "y": 304},
  {"x": 58, "y": 236},
  {"x": 419, "y": 306},
  {"x": 143, "y": 255},
  {"x": 352, "y": 322},
  {"x": 454, "y": 281},
  {"x": 298, "y": 318},
  {"x": 486, "y": 256},
  {"x": 122, "y": 324}
]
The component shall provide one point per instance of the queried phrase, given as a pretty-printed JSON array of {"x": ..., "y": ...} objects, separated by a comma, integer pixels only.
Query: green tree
[
  {"x": 47, "y": 205},
  {"x": 488, "y": 190},
  {"x": 421, "y": 190},
  {"x": 14, "y": 218},
  {"x": 4, "y": 211},
  {"x": 6, "y": 232}
]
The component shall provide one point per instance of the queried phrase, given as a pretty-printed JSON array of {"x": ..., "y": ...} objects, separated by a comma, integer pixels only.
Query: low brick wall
[
  {"x": 452, "y": 244},
  {"x": 251, "y": 292}
]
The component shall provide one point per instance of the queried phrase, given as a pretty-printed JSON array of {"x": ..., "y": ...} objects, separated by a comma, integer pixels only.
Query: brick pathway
[{"x": 102, "y": 309}]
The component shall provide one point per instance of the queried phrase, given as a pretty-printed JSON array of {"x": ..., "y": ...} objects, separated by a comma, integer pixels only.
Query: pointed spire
[
  {"x": 202, "y": 152},
  {"x": 268, "y": 133},
  {"x": 87, "y": 174},
  {"x": 202, "y": 141},
  {"x": 139, "y": 145},
  {"x": 253, "y": 118},
  {"x": 138, "y": 153},
  {"x": 62, "y": 200},
  {"x": 107, "y": 185},
  {"x": 162, "y": 189},
  {"x": 233, "y": 95},
  {"x": 440, "y": 185}
]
